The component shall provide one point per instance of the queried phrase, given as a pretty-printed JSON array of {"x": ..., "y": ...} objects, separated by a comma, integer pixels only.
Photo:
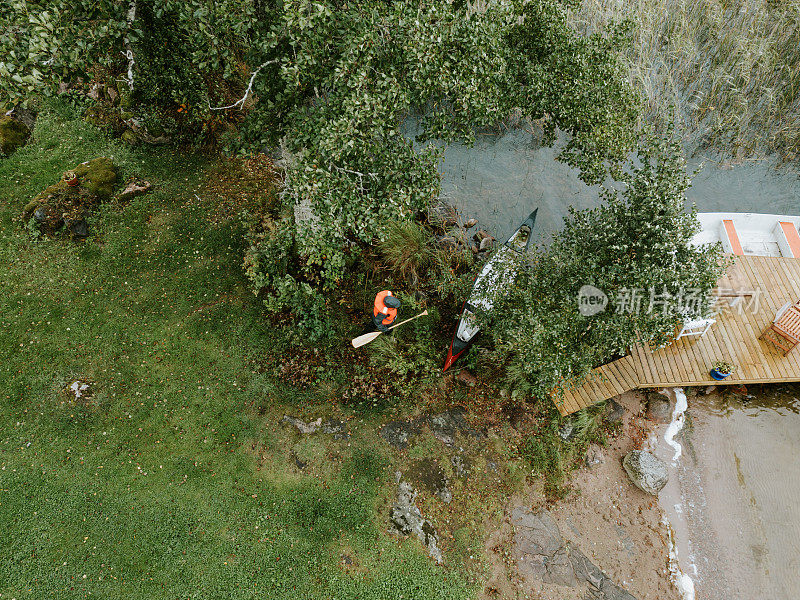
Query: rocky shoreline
[{"x": 606, "y": 541}]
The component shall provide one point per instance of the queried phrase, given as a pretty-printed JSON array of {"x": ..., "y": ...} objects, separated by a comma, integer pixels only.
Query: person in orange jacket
[{"x": 385, "y": 310}]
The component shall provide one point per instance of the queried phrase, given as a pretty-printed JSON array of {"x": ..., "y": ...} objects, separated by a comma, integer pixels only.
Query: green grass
[{"x": 172, "y": 481}]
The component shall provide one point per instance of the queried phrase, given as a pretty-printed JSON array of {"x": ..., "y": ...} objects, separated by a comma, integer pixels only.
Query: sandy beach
[
  {"x": 616, "y": 524},
  {"x": 606, "y": 519}
]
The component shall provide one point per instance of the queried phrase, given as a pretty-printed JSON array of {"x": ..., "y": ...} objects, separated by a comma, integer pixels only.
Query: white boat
[{"x": 750, "y": 233}]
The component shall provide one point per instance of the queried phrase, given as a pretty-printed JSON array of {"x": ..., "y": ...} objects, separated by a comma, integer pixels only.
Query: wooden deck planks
[
  {"x": 616, "y": 379},
  {"x": 773, "y": 287},
  {"x": 734, "y": 338}
]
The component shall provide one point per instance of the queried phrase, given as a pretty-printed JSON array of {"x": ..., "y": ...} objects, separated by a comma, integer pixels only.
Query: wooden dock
[{"x": 757, "y": 286}]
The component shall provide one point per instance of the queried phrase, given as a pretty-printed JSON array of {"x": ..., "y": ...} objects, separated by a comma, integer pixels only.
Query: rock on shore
[
  {"x": 646, "y": 471},
  {"x": 62, "y": 207},
  {"x": 541, "y": 553},
  {"x": 406, "y": 519},
  {"x": 659, "y": 408}
]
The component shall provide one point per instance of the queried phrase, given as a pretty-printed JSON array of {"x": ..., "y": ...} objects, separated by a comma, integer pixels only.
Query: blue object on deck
[{"x": 717, "y": 375}]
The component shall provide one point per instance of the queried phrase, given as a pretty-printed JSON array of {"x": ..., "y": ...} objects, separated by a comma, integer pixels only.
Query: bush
[
  {"x": 304, "y": 302},
  {"x": 413, "y": 351},
  {"x": 13, "y": 134},
  {"x": 267, "y": 262},
  {"x": 406, "y": 251}
]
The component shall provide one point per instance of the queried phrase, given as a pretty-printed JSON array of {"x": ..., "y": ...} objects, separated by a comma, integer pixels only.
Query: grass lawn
[{"x": 172, "y": 480}]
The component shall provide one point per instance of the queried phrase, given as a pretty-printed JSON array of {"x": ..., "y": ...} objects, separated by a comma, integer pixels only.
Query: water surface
[
  {"x": 737, "y": 512},
  {"x": 504, "y": 176}
]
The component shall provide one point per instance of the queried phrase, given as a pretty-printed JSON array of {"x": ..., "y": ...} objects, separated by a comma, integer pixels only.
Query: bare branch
[
  {"x": 243, "y": 99},
  {"x": 128, "y": 50},
  {"x": 360, "y": 183}
]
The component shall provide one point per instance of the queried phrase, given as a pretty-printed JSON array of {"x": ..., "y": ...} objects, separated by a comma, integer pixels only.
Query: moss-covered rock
[
  {"x": 98, "y": 176},
  {"x": 13, "y": 134},
  {"x": 61, "y": 204},
  {"x": 129, "y": 137}
]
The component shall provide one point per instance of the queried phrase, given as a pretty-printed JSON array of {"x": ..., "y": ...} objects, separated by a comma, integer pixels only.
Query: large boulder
[
  {"x": 61, "y": 204},
  {"x": 614, "y": 412},
  {"x": 13, "y": 134},
  {"x": 539, "y": 550},
  {"x": 646, "y": 471}
]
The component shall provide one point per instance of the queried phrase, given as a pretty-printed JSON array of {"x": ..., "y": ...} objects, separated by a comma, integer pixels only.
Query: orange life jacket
[{"x": 382, "y": 309}]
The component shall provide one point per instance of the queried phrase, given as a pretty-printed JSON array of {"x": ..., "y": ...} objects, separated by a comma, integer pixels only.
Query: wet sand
[
  {"x": 730, "y": 507},
  {"x": 614, "y": 524},
  {"x": 733, "y": 496},
  {"x": 618, "y": 526}
]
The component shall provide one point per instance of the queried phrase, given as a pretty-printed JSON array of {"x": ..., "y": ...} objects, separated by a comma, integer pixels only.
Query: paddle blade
[{"x": 365, "y": 339}]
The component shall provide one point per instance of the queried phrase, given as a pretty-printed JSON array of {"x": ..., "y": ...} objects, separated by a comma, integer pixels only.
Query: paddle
[{"x": 365, "y": 339}]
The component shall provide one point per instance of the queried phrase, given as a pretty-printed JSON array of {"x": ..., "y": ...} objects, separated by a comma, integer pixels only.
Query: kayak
[{"x": 492, "y": 277}]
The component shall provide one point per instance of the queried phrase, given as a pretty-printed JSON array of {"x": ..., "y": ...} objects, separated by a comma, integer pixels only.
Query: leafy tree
[
  {"x": 45, "y": 41},
  {"x": 634, "y": 247},
  {"x": 574, "y": 83},
  {"x": 357, "y": 69},
  {"x": 332, "y": 81},
  {"x": 159, "y": 54}
]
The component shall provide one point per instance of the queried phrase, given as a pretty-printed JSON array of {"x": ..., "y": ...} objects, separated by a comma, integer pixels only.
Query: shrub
[
  {"x": 267, "y": 261},
  {"x": 406, "y": 251},
  {"x": 413, "y": 351},
  {"x": 13, "y": 134}
]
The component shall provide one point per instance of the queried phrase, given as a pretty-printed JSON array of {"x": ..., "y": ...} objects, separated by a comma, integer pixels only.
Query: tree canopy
[
  {"x": 334, "y": 80},
  {"x": 635, "y": 249}
]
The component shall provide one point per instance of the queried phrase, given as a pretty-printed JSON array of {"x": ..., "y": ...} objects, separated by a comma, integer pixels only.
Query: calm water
[
  {"x": 737, "y": 509},
  {"x": 503, "y": 177}
]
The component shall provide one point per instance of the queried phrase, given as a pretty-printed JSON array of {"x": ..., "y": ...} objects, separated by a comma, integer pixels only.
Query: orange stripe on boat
[
  {"x": 792, "y": 238},
  {"x": 733, "y": 237},
  {"x": 449, "y": 360}
]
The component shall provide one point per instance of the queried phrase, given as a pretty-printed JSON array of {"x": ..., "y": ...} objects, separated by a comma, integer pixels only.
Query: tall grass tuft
[
  {"x": 406, "y": 250},
  {"x": 553, "y": 456},
  {"x": 727, "y": 73}
]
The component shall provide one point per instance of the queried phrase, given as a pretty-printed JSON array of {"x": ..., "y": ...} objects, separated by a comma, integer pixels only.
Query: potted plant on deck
[{"x": 721, "y": 369}]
